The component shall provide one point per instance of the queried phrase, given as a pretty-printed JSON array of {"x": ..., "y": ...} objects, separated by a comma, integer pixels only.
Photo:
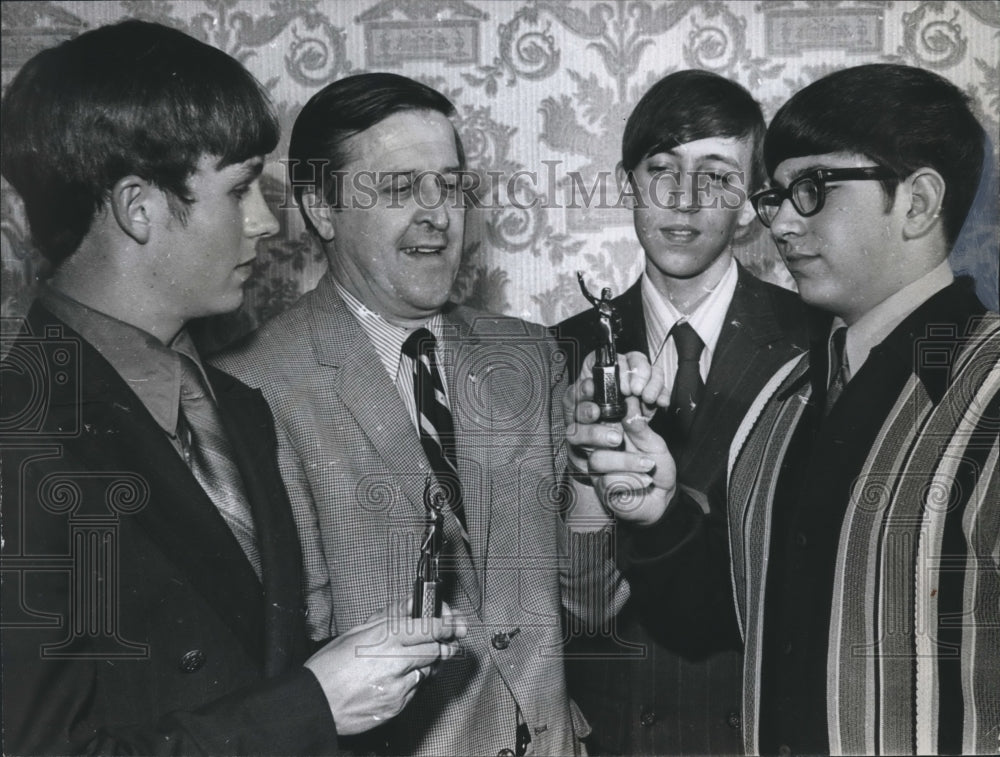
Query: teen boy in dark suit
[
  {"x": 152, "y": 598},
  {"x": 691, "y": 154}
]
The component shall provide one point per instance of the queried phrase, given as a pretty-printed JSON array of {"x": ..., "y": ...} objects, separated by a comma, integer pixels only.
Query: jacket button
[
  {"x": 647, "y": 719},
  {"x": 502, "y": 640},
  {"x": 506, "y": 753},
  {"x": 734, "y": 721},
  {"x": 192, "y": 661}
]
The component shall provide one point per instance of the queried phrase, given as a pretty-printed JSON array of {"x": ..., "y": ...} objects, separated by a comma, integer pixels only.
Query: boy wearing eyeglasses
[
  {"x": 864, "y": 493},
  {"x": 691, "y": 153}
]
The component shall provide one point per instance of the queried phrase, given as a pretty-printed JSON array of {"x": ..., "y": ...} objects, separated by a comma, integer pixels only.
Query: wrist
[{"x": 586, "y": 513}]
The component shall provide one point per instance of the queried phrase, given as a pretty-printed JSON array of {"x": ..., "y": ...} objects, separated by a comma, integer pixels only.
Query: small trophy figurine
[
  {"x": 428, "y": 587},
  {"x": 607, "y": 390}
]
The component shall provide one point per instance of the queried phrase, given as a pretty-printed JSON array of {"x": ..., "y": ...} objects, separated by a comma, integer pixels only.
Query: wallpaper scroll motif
[{"x": 542, "y": 88}]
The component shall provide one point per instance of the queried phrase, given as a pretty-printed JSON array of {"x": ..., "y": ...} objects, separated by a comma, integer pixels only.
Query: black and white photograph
[{"x": 528, "y": 378}]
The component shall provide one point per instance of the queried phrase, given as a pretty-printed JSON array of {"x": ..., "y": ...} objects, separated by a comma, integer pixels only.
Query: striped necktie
[
  {"x": 437, "y": 429},
  {"x": 839, "y": 369},
  {"x": 688, "y": 385},
  {"x": 209, "y": 453}
]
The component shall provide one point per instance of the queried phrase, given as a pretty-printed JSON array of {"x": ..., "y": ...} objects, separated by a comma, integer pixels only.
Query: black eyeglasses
[{"x": 808, "y": 192}]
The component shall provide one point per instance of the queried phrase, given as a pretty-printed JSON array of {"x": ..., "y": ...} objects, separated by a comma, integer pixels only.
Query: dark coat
[
  {"x": 133, "y": 623},
  {"x": 678, "y": 693}
]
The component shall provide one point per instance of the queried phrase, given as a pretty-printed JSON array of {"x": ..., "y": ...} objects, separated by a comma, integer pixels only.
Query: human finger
[
  {"x": 606, "y": 462},
  {"x": 634, "y": 370},
  {"x": 455, "y": 620},
  {"x": 593, "y": 435}
]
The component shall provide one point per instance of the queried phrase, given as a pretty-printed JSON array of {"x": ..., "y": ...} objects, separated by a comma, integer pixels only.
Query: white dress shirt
[
  {"x": 707, "y": 320},
  {"x": 388, "y": 340},
  {"x": 873, "y": 327}
]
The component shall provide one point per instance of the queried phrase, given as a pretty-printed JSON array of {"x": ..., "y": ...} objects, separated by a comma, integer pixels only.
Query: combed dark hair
[
  {"x": 901, "y": 117},
  {"x": 131, "y": 98},
  {"x": 689, "y": 105},
  {"x": 318, "y": 146}
]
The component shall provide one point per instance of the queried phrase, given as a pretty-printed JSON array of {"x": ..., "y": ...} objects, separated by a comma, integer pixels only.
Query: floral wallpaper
[{"x": 543, "y": 89}]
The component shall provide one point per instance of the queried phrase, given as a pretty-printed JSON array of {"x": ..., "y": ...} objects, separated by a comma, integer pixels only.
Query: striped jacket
[{"x": 932, "y": 471}]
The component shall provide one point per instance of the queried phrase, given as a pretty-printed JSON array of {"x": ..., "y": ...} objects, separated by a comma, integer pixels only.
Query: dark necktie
[
  {"x": 437, "y": 430},
  {"x": 688, "y": 386},
  {"x": 838, "y": 368},
  {"x": 209, "y": 454}
]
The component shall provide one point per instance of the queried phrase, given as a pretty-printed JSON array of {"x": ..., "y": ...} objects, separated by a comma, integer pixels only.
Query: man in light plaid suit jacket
[{"x": 376, "y": 167}]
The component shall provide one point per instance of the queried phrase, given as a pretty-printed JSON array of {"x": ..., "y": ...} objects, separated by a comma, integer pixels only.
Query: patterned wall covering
[{"x": 543, "y": 88}]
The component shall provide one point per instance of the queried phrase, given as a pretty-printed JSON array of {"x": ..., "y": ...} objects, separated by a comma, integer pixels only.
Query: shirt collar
[
  {"x": 707, "y": 319},
  {"x": 151, "y": 369},
  {"x": 386, "y": 337},
  {"x": 874, "y": 326}
]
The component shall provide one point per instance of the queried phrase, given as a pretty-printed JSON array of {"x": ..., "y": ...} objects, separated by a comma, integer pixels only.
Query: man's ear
[
  {"x": 131, "y": 204},
  {"x": 319, "y": 213},
  {"x": 926, "y": 189}
]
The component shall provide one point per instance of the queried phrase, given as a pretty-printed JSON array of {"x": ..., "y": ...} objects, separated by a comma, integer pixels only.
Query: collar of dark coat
[{"x": 927, "y": 342}]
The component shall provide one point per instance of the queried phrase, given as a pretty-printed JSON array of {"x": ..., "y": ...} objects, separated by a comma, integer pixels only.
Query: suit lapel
[
  {"x": 245, "y": 416},
  {"x": 359, "y": 379},
  {"x": 633, "y": 337},
  {"x": 459, "y": 344},
  {"x": 179, "y": 516},
  {"x": 471, "y": 448},
  {"x": 744, "y": 359}
]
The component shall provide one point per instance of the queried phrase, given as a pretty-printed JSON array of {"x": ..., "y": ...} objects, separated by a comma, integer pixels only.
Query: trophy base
[{"x": 612, "y": 413}]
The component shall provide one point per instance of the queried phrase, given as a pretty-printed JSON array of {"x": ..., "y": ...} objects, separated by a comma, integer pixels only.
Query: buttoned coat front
[{"x": 355, "y": 470}]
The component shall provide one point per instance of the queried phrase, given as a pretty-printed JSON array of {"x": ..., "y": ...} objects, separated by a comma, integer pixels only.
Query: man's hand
[{"x": 370, "y": 673}]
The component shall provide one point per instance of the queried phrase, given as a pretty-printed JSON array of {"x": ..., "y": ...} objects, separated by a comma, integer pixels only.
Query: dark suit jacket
[
  {"x": 132, "y": 621},
  {"x": 674, "y": 692}
]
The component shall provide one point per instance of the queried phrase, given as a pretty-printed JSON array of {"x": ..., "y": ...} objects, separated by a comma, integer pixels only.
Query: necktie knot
[
  {"x": 421, "y": 342},
  {"x": 687, "y": 341},
  {"x": 191, "y": 383}
]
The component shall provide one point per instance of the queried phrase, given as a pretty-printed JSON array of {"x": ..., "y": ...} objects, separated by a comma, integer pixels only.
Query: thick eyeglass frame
[{"x": 818, "y": 178}]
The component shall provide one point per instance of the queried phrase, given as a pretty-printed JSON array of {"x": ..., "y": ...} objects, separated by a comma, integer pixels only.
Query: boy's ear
[
  {"x": 621, "y": 177},
  {"x": 626, "y": 189},
  {"x": 131, "y": 204},
  {"x": 747, "y": 213},
  {"x": 319, "y": 213},
  {"x": 926, "y": 190}
]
